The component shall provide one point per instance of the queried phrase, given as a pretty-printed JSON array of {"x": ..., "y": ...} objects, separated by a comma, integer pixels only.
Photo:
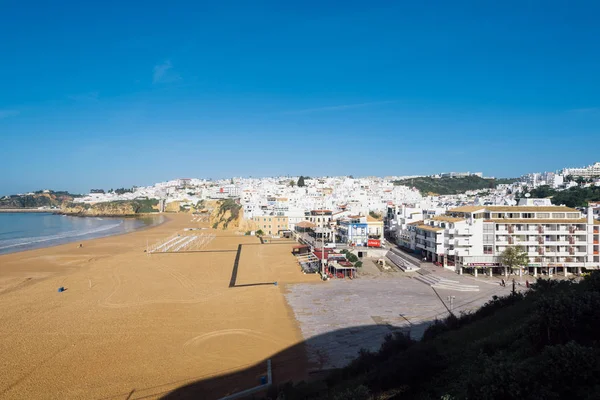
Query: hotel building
[{"x": 555, "y": 237}]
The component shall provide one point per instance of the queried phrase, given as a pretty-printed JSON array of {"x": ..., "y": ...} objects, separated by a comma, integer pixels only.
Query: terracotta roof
[
  {"x": 467, "y": 209},
  {"x": 471, "y": 209},
  {"x": 530, "y": 208},
  {"x": 537, "y": 221},
  {"x": 415, "y": 223},
  {"x": 446, "y": 218},
  {"x": 371, "y": 219},
  {"x": 305, "y": 224},
  {"x": 430, "y": 228}
]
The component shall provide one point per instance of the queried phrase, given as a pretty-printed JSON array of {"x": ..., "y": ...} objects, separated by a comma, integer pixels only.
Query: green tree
[
  {"x": 259, "y": 232},
  {"x": 351, "y": 257},
  {"x": 301, "y": 182},
  {"x": 292, "y": 183},
  {"x": 580, "y": 180},
  {"x": 514, "y": 257},
  {"x": 542, "y": 192},
  {"x": 375, "y": 215}
]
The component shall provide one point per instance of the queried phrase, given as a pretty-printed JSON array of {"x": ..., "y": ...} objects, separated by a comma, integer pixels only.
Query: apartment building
[
  {"x": 354, "y": 230},
  {"x": 586, "y": 172},
  {"x": 556, "y": 238},
  {"x": 271, "y": 224}
]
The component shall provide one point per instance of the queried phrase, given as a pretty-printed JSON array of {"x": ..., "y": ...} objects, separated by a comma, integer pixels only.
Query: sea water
[{"x": 25, "y": 231}]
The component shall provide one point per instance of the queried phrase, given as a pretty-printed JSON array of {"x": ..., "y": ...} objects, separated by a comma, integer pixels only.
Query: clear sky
[{"x": 120, "y": 93}]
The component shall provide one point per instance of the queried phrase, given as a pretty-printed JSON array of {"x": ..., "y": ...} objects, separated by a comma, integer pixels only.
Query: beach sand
[{"x": 130, "y": 325}]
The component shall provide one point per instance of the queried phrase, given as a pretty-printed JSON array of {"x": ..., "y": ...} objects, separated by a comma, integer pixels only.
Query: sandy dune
[{"x": 135, "y": 325}]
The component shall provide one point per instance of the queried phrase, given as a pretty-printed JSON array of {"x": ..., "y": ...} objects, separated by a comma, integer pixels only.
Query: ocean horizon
[{"x": 28, "y": 231}]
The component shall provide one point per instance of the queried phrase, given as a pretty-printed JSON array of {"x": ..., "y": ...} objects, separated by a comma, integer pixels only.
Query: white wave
[{"x": 64, "y": 235}]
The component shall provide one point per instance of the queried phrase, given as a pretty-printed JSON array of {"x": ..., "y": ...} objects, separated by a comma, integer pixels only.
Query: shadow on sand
[{"x": 311, "y": 359}]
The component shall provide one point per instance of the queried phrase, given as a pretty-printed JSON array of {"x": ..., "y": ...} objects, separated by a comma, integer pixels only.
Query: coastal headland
[{"x": 135, "y": 324}]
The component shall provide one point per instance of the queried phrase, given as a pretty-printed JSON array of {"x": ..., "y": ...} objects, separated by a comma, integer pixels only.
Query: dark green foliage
[
  {"x": 123, "y": 190},
  {"x": 373, "y": 214},
  {"x": 573, "y": 197},
  {"x": 146, "y": 206},
  {"x": 543, "y": 345},
  {"x": 259, "y": 232},
  {"x": 542, "y": 192},
  {"x": 351, "y": 257},
  {"x": 301, "y": 182},
  {"x": 39, "y": 199},
  {"x": 452, "y": 185},
  {"x": 358, "y": 264}
]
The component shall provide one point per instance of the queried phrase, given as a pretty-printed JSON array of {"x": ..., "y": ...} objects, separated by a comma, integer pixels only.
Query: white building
[
  {"x": 555, "y": 237},
  {"x": 586, "y": 172}
]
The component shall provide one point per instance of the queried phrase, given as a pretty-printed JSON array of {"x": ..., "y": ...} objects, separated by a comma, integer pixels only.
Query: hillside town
[{"x": 463, "y": 232}]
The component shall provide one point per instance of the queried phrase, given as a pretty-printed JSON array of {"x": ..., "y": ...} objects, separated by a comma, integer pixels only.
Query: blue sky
[{"x": 110, "y": 94}]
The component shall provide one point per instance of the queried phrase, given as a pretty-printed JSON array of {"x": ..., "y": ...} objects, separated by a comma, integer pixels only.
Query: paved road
[{"x": 363, "y": 311}]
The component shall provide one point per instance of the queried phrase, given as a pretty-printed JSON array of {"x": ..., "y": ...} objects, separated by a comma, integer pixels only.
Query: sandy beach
[{"x": 133, "y": 325}]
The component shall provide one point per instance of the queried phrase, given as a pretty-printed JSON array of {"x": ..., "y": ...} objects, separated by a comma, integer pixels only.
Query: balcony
[
  {"x": 462, "y": 242},
  {"x": 462, "y": 231}
]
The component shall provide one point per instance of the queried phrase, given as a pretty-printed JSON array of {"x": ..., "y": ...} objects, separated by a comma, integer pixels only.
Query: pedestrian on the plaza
[{"x": 527, "y": 284}]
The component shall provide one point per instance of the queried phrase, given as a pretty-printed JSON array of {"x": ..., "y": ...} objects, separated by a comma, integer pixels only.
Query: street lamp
[{"x": 451, "y": 300}]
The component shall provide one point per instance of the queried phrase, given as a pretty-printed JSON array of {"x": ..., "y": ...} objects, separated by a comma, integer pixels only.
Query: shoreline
[
  {"x": 27, "y": 210},
  {"x": 84, "y": 240},
  {"x": 174, "y": 314}
]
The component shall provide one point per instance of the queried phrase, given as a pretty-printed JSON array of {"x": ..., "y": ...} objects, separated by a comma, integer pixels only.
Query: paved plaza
[{"x": 339, "y": 317}]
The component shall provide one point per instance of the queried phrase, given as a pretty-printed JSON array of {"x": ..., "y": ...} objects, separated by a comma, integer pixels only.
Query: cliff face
[
  {"x": 226, "y": 214},
  {"x": 51, "y": 199},
  {"x": 115, "y": 208}
]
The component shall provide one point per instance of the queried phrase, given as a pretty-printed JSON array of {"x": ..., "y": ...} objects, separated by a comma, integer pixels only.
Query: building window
[
  {"x": 543, "y": 215},
  {"x": 488, "y": 249},
  {"x": 496, "y": 215},
  {"x": 558, "y": 215},
  {"x": 572, "y": 215},
  {"x": 527, "y": 215}
]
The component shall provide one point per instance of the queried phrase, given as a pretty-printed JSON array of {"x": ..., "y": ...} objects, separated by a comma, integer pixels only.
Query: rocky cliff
[
  {"x": 36, "y": 200},
  {"x": 113, "y": 208},
  {"x": 227, "y": 214}
]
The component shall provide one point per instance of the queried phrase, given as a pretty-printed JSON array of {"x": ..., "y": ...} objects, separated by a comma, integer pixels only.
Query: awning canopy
[{"x": 305, "y": 224}]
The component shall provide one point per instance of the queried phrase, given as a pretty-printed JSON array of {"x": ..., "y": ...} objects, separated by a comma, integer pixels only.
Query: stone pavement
[{"x": 339, "y": 317}]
